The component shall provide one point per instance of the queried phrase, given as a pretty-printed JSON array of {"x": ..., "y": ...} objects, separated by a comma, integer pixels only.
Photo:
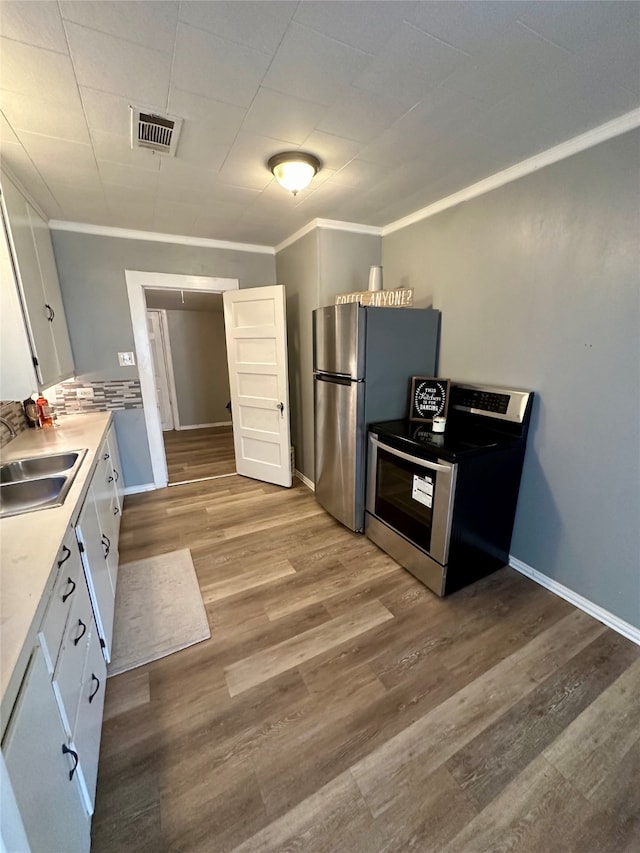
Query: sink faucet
[{"x": 9, "y": 426}]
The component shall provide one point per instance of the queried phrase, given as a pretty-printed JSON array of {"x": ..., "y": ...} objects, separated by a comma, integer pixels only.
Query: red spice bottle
[{"x": 44, "y": 412}]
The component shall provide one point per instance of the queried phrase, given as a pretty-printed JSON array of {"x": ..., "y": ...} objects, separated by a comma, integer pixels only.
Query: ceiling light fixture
[{"x": 294, "y": 170}]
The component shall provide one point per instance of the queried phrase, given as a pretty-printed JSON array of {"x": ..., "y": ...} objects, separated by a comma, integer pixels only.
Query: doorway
[
  {"x": 175, "y": 287},
  {"x": 188, "y": 346}
]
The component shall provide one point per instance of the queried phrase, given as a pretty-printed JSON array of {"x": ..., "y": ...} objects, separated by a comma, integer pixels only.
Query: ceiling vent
[{"x": 156, "y": 132}]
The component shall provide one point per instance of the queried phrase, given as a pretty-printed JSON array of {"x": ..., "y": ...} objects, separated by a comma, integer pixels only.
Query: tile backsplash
[
  {"x": 14, "y": 413},
  {"x": 108, "y": 395}
]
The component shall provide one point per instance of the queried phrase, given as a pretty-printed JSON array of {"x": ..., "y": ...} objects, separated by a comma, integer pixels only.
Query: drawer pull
[
  {"x": 71, "y": 591},
  {"x": 50, "y": 312},
  {"x": 116, "y": 475},
  {"x": 82, "y": 633},
  {"x": 74, "y": 755},
  {"x": 66, "y": 556},
  {"x": 105, "y": 457},
  {"x": 95, "y": 678},
  {"x": 109, "y": 479},
  {"x": 106, "y": 544},
  {"x": 116, "y": 510}
]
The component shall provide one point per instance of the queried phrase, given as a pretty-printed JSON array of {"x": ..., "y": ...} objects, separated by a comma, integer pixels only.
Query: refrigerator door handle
[{"x": 335, "y": 379}]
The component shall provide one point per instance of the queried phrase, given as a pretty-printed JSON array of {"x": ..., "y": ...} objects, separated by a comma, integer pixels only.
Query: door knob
[{"x": 281, "y": 407}]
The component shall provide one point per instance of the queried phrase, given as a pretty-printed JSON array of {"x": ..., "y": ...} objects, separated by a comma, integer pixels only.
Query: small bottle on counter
[
  {"x": 31, "y": 412},
  {"x": 44, "y": 412}
]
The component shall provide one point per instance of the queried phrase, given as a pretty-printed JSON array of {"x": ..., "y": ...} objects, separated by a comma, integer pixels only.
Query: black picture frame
[{"x": 429, "y": 398}]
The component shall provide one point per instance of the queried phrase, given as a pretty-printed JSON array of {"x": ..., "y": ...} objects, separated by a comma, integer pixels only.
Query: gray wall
[
  {"x": 314, "y": 269},
  {"x": 538, "y": 284},
  {"x": 297, "y": 269},
  {"x": 199, "y": 356},
  {"x": 91, "y": 270}
]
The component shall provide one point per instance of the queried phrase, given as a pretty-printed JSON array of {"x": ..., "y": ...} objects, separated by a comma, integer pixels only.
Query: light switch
[{"x": 126, "y": 359}]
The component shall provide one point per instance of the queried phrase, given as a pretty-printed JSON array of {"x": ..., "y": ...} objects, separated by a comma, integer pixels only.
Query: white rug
[{"x": 158, "y": 610}]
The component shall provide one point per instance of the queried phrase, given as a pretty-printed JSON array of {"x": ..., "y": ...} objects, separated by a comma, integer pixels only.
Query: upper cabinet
[{"x": 34, "y": 321}]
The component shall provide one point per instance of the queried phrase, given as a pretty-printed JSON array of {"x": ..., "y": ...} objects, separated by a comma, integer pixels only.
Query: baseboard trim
[
  {"x": 599, "y": 613},
  {"x": 136, "y": 490},
  {"x": 203, "y": 426},
  {"x": 308, "y": 483}
]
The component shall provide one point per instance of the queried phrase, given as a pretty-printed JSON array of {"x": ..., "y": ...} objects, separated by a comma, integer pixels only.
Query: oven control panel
[{"x": 492, "y": 402}]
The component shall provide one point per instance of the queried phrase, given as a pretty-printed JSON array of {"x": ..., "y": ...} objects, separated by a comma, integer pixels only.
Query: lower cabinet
[
  {"x": 96, "y": 568},
  {"x": 88, "y": 726},
  {"x": 42, "y": 767},
  {"x": 50, "y": 750},
  {"x": 97, "y": 531}
]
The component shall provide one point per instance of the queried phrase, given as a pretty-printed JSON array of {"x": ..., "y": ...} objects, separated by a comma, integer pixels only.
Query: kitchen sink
[
  {"x": 37, "y": 482},
  {"x": 37, "y": 466},
  {"x": 28, "y": 495}
]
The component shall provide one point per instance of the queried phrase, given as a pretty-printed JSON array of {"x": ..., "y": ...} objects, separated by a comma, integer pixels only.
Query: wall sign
[
  {"x": 401, "y": 298},
  {"x": 429, "y": 398}
]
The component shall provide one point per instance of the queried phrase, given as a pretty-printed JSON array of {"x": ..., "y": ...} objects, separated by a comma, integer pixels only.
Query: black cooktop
[
  {"x": 454, "y": 444},
  {"x": 480, "y": 419}
]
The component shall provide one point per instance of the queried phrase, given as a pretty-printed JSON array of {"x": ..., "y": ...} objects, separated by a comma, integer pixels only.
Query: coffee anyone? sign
[{"x": 401, "y": 298}]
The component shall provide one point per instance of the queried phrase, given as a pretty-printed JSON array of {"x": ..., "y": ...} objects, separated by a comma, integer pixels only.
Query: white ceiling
[{"x": 404, "y": 103}]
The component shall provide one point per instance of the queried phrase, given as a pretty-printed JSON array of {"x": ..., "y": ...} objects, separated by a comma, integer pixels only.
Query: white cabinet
[
  {"x": 36, "y": 316},
  {"x": 94, "y": 558},
  {"x": 42, "y": 768},
  {"x": 50, "y": 750},
  {"x": 67, "y": 678},
  {"x": 67, "y": 588},
  {"x": 97, "y": 531},
  {"x": 88, "y": 725}
]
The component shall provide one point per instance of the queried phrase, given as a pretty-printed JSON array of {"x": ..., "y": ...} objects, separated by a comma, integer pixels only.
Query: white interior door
[
  {"x": 256, "y": 333},
  {"x": 160, "y": 369}
]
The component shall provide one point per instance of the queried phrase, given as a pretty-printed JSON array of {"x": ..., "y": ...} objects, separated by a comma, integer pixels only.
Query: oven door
[{"x": 412, "y": 496}]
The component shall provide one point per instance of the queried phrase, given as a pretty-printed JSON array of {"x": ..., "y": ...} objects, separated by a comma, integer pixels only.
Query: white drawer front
[
  {"x": 70, "y": 576},
  {"x": 89, "y": 720},
  {"x": 67, "y": 678}
]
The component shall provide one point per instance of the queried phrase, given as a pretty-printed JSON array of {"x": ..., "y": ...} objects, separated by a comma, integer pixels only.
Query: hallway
[{"x": 193, "y": 454}]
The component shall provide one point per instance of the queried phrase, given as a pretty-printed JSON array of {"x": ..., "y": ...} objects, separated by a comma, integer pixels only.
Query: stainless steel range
[{"x": 443, "y": 504}]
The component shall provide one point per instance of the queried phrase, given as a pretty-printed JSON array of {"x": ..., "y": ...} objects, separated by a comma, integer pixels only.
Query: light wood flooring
[
  {"x": 196, "y": 453},
  {"x": 340, "y": 706}
]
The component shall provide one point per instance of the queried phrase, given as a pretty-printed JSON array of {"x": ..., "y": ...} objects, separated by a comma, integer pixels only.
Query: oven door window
[{"x": 404, "y": 497}]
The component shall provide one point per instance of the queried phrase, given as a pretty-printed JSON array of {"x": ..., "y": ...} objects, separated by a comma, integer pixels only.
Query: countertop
[{"x": 29, "y": 544}]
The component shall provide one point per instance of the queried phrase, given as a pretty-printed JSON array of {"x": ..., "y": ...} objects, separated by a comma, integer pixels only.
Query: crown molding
[
  {"x": 329, "y": 225},
  {"x": 602, "y": 133},
  {"x": 609, "y": 130},
  {"x": 155, "y": 237},
  {"x": 25, "y": 192}
]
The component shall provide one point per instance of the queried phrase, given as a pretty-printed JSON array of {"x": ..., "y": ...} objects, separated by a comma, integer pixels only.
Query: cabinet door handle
[
  {"x": 105, "y": 457},
  {"x": 106, "y": 544},
  {"x": 74, "y": 755},
  {"x": 66, "y": 556},
  {"x": 82, "y": 633},
  {"x": 116, "y": 475},
  {"x": 116, "y": 510},
  {"x": 52, "y": 313},
  {"x": 95, "y": 678},
  {"x": 109, "y": 479},
  {"x": 71, "y": 591}
]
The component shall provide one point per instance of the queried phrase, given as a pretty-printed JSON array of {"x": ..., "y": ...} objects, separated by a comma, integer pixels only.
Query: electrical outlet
[
  {"x": 126, "y": 359},
  {"x": 85, "y": 393}
]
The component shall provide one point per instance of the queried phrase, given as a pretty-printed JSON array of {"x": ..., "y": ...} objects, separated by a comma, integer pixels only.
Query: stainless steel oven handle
[{"x": 434, "y": 466}]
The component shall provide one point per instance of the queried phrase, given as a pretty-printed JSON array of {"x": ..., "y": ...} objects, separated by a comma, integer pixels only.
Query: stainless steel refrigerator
[{"x": 363, "y": 361}]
